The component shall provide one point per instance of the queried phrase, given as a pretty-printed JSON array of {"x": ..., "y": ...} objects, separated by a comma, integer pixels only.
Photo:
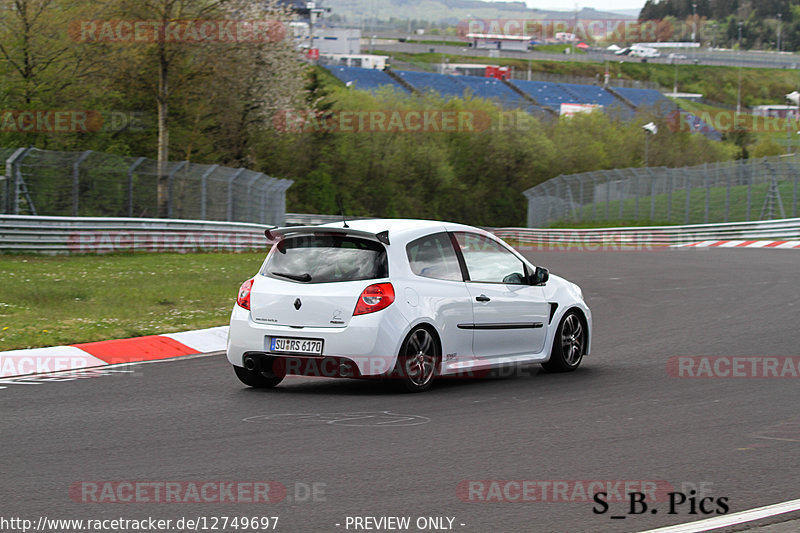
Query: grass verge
[{"x": 47, "y": 301}]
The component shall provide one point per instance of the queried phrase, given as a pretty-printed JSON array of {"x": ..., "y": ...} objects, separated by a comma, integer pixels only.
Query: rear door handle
[{"x": 482, "y": 298}]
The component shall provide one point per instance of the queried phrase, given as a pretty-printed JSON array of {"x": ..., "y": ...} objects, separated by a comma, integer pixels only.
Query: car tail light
[
  {"x": 374, "y": 298},
  {"x": 244, "y": 294}
]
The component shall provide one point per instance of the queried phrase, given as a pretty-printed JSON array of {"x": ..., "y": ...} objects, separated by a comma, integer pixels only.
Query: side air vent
[{"x": 553, "y": 307}]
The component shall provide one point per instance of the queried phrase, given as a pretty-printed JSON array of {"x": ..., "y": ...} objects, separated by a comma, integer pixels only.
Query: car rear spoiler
[{"x": 291, "y": 231}]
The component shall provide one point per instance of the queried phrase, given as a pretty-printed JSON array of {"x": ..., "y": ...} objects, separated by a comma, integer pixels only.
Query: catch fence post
[
  {"x": 230, "y": 193},
  {"x": 76, "y": 173},
  {"x": 204, "y": 191},
  {"x": 171, "y": 186},
  {"x": 131, "y": 169}
]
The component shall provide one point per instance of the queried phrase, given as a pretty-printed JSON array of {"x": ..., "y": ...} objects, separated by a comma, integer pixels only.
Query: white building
[
  {"x": 517, "y": 43},
  {"x": 354, "y": 60},
  {"x": 337, "y": 41}
]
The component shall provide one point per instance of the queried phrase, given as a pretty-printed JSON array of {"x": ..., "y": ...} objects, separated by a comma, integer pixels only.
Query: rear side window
[
  {"x": 326, "y": 259},
  {"x": 434, "y": 257}
]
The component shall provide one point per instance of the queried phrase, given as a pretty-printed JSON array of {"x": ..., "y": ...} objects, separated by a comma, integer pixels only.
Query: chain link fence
[
  {"x": 44, "y": 182},
  {"x": 729, "y": 191}
]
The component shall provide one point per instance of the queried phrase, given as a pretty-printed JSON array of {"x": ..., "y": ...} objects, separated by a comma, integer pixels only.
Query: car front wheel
[{"x": 569, "y": 345}]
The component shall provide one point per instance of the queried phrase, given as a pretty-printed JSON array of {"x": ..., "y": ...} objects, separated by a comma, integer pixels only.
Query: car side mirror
[{"x": 540, "y": 276}]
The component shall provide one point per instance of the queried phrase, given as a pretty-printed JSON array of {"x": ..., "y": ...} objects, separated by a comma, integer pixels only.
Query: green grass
[
  {"x": 737, "y": 207},
  {"x": 47, "y": 301},
  {"x": 759, "y": 127}
]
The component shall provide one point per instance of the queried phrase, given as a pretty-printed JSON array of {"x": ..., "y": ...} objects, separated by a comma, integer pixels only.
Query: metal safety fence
[
  {"x": 95, "y": 184},
  {"x": 98, "y": 235},
  {"x": 729, "y": 191}
]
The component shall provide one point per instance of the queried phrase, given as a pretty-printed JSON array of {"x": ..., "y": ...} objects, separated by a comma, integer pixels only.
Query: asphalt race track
[{"x": 345, "y": 448}]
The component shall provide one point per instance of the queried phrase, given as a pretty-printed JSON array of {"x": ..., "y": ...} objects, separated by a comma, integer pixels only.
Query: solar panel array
[
  {"x": 545, "y": 94},
  {"x": 364, "y": 78},
  {"x": 428, "y": 81}
]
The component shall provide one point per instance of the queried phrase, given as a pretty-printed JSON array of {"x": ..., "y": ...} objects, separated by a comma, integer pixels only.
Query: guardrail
[
  {"x": 85, "y": 235},
  {"x": 785, "y": 229},
  {"x": 88, "y": 235}
]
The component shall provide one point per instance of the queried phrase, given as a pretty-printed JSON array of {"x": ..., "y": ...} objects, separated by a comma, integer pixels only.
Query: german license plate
[{"x": 293, "y": 345}]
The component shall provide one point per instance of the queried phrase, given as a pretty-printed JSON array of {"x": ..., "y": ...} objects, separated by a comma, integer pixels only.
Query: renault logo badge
[{"x": 298, "y": 304}]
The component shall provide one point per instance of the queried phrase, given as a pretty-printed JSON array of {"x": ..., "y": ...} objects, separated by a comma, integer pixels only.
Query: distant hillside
[
  {"x": 449, "y": 11},
  {"x": 634, "y": 13},
  {"x": 719, "y": 9}
]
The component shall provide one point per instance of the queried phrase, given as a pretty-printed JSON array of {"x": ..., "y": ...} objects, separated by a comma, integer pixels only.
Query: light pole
[
  {"x": 713, "y": 34},
  {"x": 649, "y": 129},
  {"x": 780, "y": 20},
  {"x": 694, "y": 21},
  {"x": 793, "y": 98},
  {"x": 740, "y": 36},
  {"x": 675, "y": 85},
  {"x": 739, "y": 90}
]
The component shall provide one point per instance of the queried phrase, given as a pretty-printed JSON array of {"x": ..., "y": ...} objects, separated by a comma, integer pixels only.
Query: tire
[
  {"x": 569, "y": 345},
  {"x": 417, "y": 361},
  {"x": 256, "y": 378}
]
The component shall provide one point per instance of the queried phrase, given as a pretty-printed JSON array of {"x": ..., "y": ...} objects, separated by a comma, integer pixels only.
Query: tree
[
  {"x": 234, "y": 49},
  {"x": 41, "y": 68}
]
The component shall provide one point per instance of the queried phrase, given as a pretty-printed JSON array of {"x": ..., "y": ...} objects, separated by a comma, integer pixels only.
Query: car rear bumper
[{"x": 367, "y": 346}]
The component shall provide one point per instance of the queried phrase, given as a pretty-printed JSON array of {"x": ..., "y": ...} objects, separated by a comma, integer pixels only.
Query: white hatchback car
[{"x": 407, "y": 299}]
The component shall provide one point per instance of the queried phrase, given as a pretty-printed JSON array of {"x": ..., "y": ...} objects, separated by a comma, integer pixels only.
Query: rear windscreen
[{"x": 327, "y": 258}]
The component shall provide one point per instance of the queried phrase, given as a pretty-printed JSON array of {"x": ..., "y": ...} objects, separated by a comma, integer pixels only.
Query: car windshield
[{"x": 327, "y": 258}]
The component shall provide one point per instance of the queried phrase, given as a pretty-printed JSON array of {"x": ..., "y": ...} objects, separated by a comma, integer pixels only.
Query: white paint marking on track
[
  {"x": 81, "y": 373},
  {"x": 732, "y": 519},
  {"x": 44, "y": 360},
  {"x": 204, "y": 340}
]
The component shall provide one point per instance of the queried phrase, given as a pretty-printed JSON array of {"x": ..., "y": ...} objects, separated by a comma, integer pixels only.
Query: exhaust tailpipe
[{"x": 250, "y": 363}]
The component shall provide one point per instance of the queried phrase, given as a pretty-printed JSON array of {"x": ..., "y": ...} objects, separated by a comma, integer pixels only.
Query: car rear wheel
[
  {"x": 569, "y": 345},
  {"x": 256, "y": 377},
  {"x": 417, "y": 361}
]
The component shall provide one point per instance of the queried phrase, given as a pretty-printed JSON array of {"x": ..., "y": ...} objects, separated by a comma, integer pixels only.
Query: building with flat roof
[{"x": 492, "y": 41}]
